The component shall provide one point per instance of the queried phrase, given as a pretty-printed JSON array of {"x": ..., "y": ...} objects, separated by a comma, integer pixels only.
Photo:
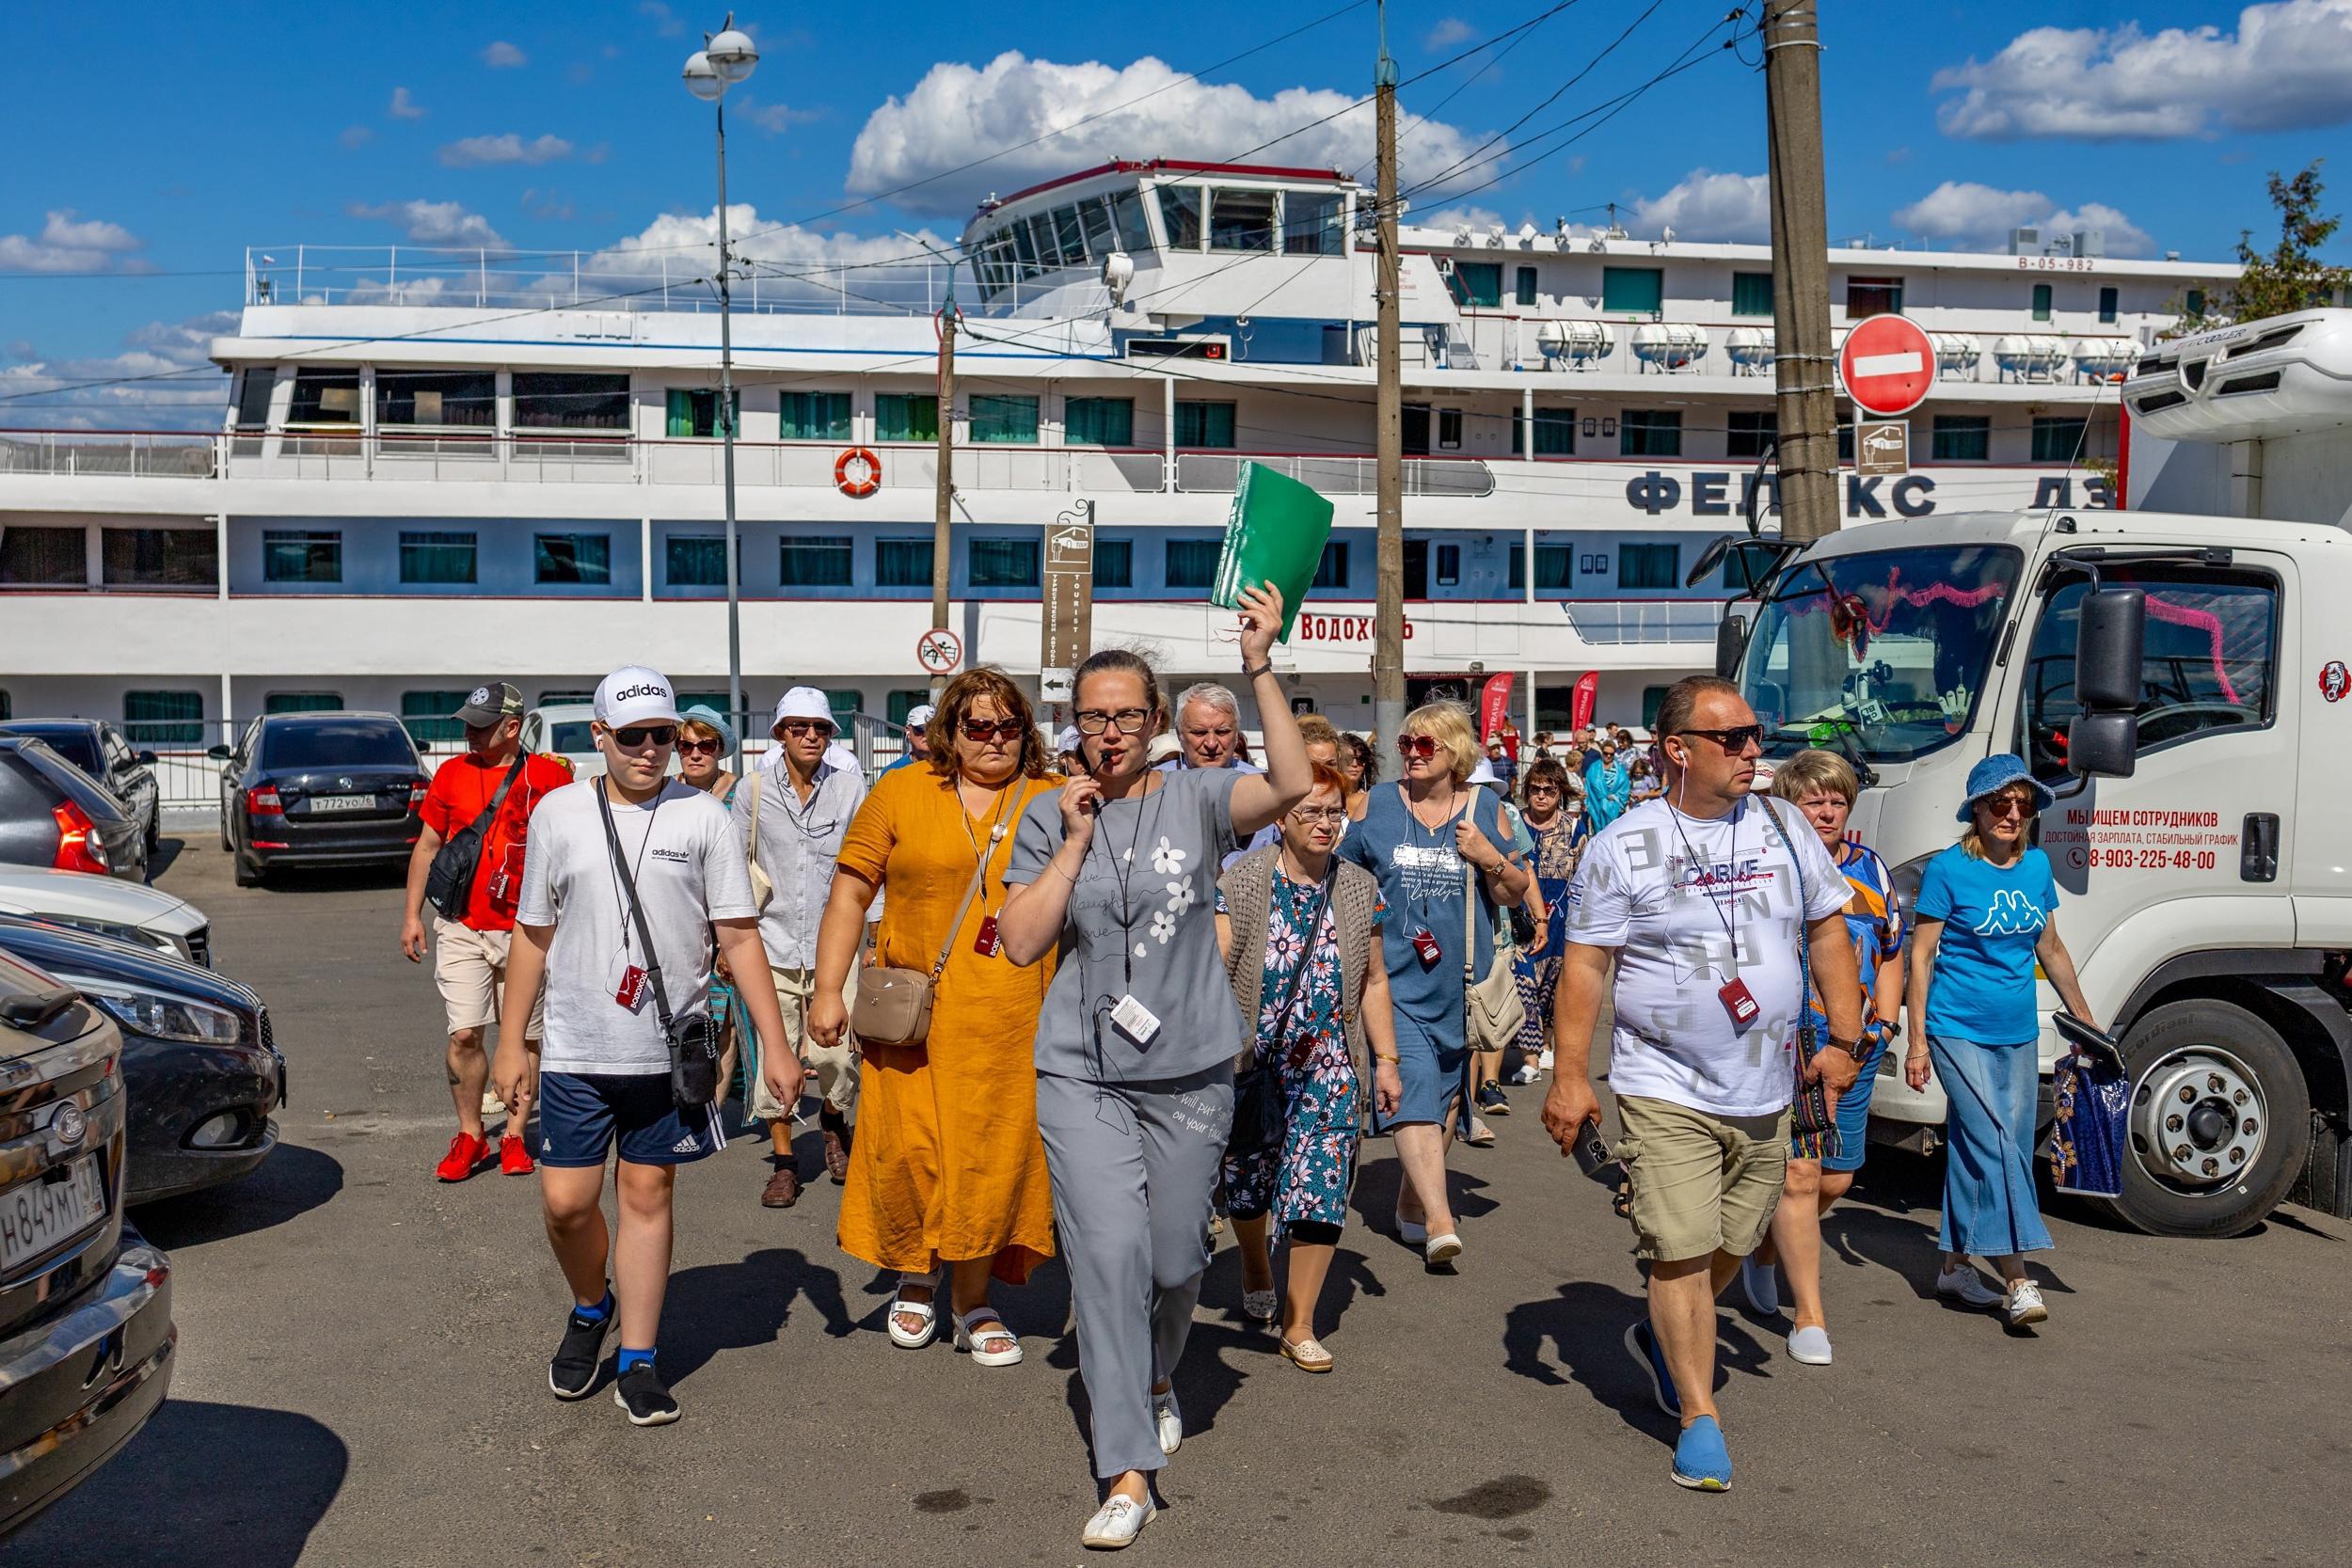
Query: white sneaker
[
  {"x": 1761, "y": 1283},
  {"x": 492, "y": 1105},
  {"x": 1526, "y": 1073},
  {"x": 1171, "y": 1422},
  {"x": 1442, "y": 1250},
  {"x": 1964, "y": 1284},
  {"x": 1543, "y": 1063},
  {"x": 2026, "y": 1305},
  {"x": 1116, "y": 1524},
  {"x": 1809, "y": 1345}
]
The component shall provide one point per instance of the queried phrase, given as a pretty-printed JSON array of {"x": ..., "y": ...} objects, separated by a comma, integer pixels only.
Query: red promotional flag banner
[
  {"x": 1587, "y": 694},
  {"x": 1494, "y": 704}
]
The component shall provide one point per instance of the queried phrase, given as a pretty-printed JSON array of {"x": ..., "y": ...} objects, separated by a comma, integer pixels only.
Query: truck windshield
[{"x": 1884, "y": 652}]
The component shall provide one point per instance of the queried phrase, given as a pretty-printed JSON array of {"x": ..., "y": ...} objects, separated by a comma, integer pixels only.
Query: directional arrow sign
[{"x": 1888, "y": 365}]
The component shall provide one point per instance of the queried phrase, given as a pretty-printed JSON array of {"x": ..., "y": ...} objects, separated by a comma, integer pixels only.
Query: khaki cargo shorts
[
  {"x": 470, "y": 969},
  {"x": 1702, "y": 1183},
  {"x": 833, "y": 1067}
]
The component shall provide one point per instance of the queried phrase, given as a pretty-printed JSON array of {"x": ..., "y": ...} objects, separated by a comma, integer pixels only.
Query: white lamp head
[
  {"x": 731, "y": 54},
  {"x": 702, "y": 78}
]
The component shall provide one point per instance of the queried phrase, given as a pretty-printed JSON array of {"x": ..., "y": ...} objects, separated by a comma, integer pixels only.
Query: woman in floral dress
[
  {"x": 1299, "y": 931},
  {"x": 1559, "y": 832}
]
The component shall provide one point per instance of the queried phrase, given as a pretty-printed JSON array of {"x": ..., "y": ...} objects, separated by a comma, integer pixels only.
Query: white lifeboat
[
  {"x": 1669, "y": 346},
  {"x": 1750, "y": 349},
  {"x": 1578, "y": 343},
  {"x": 2028, "y": 355}
]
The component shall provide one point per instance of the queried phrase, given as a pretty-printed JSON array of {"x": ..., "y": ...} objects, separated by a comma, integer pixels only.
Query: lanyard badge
[{"x": 1739, "y": 1003}]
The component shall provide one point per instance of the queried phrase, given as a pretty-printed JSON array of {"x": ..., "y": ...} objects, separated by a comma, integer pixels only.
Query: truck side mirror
[
  {"x": 2104, "y": 745},
  {"x": 2112, "y": 624},
  {"x": 1731, "y": 646}
]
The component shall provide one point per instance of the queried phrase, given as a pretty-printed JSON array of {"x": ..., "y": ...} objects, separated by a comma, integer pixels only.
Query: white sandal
[
  {"x": 1259, "y": 1306},
  {"x": 973, "y": 1340},
  {"x": 900, "y": 1307}
]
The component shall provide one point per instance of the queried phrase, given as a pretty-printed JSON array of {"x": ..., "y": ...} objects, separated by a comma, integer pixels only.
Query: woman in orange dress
[{"x": 947, "y": 1168}]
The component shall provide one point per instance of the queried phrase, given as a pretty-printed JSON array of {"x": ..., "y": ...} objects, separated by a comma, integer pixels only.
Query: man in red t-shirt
[{"x": 469, "y": 955}]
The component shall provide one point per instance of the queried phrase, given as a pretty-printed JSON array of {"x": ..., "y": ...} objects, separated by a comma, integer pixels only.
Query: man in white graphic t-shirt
[
  {"x": 1701, "y": 897},
  {"x": 604, "y": 1069}
]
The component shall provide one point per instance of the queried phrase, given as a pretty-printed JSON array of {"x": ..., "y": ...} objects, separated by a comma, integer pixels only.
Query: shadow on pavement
[
  {"x": 292, "y": 1181},
  {"x": 298, "y": 879},
  {"x": 167, "y": 851},
  {"x": 245, "y": 1485},
  {"x": 719, "y": 1307}
]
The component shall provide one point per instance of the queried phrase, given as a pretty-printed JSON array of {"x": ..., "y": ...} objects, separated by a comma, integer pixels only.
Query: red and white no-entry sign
[{"x": 1888, "y": 365}]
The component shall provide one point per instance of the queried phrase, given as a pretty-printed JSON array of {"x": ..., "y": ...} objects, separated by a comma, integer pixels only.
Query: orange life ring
[{"x": 857, "y": 489}]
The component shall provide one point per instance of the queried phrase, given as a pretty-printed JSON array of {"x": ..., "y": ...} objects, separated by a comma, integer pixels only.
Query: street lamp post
[{"x": 726, "y": 58}]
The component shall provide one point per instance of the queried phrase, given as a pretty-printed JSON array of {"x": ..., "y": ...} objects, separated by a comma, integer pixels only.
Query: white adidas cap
[{"x": 635, "y": 695}]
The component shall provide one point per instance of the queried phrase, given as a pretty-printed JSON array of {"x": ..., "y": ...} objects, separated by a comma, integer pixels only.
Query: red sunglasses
[
  {"x": 1421, "y": 746},
  {"x": 987, "y": 729}
]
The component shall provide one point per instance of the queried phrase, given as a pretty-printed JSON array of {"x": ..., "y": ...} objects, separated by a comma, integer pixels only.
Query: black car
[
  {"x": 86, "y": 1331},
  {"x": 100, "y": 749},
  {"x": 320, "y": 789},
  {"x": 198, "y": 1052},
  {"x": 53, "y": 814}
]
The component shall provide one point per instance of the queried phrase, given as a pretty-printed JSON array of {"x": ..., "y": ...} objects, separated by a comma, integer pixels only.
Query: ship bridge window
[
  {"x": 583, "y": 559},
  {"x": 1095, "y": 212},
  {"x": 1179, "y": 216},
  {"x": 1134, "y": 229},
  {"x": 1023, "y": 250},
  {"x": 569, "y": 400},
  {"x": 1240, "y": 219},
  {"x": 1049, "y": 254},
  {"x": 325, "y": 397},
  {"x": 1312, "y": 222},
  {"x": 436, "y": 398},
  {"x": 253, "y": 390},
  {"x": 1071, "y": 234}
]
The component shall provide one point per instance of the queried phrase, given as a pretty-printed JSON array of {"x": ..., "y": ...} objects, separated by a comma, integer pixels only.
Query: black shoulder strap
[{"x": 636, "y": 911}]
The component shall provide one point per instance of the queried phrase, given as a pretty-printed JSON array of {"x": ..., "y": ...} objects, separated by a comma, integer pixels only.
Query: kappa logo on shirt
[{"x": 2010, "y": 913}]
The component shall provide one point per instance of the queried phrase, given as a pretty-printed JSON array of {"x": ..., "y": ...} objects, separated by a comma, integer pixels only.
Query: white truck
[{"x": 2180, "y": 671}]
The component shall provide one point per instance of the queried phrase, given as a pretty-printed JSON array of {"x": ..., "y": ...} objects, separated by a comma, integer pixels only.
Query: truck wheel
[{"x": 2220, "y": 1122}]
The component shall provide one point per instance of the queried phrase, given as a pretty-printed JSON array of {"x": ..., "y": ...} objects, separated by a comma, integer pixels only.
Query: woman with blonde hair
[
  {"x": 1822, "y": 785},
  {"x": 947, "y": 1168},
  {"x": 1429, "y": 839}
]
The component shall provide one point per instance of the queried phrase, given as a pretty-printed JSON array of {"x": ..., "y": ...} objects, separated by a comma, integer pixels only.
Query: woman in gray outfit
[{"x": 1117, "y": 875}]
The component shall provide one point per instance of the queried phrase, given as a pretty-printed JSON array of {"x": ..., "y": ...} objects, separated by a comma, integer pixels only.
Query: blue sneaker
[
  {"x": 1701, "y": 1461},
  {"x": 1642, "y": 1344}
]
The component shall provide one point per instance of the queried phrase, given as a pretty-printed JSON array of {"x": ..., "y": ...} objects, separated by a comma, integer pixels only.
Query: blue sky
[{"x": 139, "y": 183}]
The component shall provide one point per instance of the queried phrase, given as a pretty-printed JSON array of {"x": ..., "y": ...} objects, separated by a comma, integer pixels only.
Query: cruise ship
[{"x": 438, "y": 467}]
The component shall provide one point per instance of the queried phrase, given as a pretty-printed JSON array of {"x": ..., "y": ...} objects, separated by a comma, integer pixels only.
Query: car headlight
[
  {"x": 113, "y": 931},
  {"x": 160, "y": 1015}
]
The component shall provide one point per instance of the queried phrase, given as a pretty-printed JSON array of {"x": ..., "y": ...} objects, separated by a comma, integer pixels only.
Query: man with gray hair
[{"x": 1208, "y": 734}]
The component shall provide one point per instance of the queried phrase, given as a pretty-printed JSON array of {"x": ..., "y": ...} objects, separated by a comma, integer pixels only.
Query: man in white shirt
[
  {"x": 604, "y": 1069},
  {"x": 801, "y": 809},
  {"x": 1700, "y": 898}
]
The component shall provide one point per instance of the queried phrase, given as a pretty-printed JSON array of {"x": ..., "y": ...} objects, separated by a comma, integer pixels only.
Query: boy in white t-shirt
[
  {"x": 604, "y": 1069},
  {"x": 1700, "y": 898}
]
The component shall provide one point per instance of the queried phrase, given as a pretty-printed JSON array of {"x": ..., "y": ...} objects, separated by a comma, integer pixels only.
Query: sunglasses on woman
[
  {"x": 639, "y": 734},
  {"x": 1420, "y": 746},
  {"x": 989, "y": 729},
  {"x": 696, "y": 748}
]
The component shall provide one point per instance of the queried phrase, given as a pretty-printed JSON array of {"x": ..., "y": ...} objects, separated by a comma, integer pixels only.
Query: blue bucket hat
[
  {"x": 702, "y": 713},
  {"x": 1996, "y": 774}
]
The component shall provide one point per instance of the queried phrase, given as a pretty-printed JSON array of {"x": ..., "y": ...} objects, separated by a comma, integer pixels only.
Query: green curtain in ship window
[
  {"x": 816, "y": 417},
  {"x": 1003, "y": 562},
  {"x": 1632, "y": 290},
  {"x": 1114, "y": 563},
  {"x": 426, "y": 714},
  {"x": 902, "y": 562},
  {"x": 696, "y": 561},
  {"x": 1478, "y": 284},
  {"x": 174, "y": 718},
  {"x": 1555, "y": 432},
  {"x": 1099, "y": 421},
  {"x": 692, "y": 411},
  {"x": 1205, "y": 425},
  {"x": 906, "y": 417},
  {"x": 435, "y": 557},
  {"x": 814, "y": 560},
  {"x": 1751, "y": 294},
  {"x": 1192, "y": 562},
  {"x": 1003, "y": 420}
]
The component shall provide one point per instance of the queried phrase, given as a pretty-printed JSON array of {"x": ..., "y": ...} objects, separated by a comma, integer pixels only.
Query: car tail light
[
  {"x": 78, "y": 845},
  {"x": 416, "y": 796},
  {"x": 263, "y": 802}
]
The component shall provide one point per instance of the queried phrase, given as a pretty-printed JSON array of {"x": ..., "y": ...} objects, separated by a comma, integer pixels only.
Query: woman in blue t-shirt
[{"x": 1987, "y": 912}]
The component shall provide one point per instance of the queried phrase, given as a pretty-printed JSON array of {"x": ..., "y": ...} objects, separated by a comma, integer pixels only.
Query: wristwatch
[{"x": 1858, "y": 1049}]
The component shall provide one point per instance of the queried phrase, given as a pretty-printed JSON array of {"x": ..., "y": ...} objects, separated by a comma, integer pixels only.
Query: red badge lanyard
[{"x": 1734, "y": 993}]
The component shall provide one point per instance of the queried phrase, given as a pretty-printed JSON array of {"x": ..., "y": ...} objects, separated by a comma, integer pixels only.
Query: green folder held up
[{"x": 1275, "y": 536}]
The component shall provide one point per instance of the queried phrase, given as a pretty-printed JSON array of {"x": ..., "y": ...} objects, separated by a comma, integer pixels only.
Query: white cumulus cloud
[
  {"x": 509, "y": 148},
  {"x": 2287, "y": 67},
  {"x": 503, "y": 55},
  {"x": 69, "y": 244},
  {"x": 404, "y": 107},
  {"x": 1705, "y": 205},
  {"x": 1971, "y": 216},
  {"x": 1148, "y": 109},
  {"x": 162, "y": 380},
  {"x": 441, "y": 223},
  {"x": 681, "y": 248},
  {"x": 1447, "y": 33}
]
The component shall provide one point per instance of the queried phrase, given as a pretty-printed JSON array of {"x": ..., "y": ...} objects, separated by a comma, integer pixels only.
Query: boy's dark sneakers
[
  {"x": 572, "y": 1372},
  {"x": 641, "y": 1392}
]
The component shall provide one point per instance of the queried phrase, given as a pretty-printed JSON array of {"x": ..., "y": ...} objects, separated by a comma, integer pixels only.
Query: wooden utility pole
[
  {"x": 944, "y": 497},
  {"x": 1803, "y": 368},
  {"x": 1388, "y": 655}
]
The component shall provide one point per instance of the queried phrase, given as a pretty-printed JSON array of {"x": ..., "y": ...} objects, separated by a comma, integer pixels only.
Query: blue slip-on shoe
[
  {"x": 1702, "y": 1463},
  {"x": 1642, "y": 1344}
]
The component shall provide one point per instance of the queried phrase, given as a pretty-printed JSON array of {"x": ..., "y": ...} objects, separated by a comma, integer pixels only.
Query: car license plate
[
  {"x": 36, "y": 1216},
  {"x": 343, "y": 802}
]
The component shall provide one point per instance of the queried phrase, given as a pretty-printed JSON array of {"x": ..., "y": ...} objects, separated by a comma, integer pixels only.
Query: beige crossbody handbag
[
  {"x": 894, "y": 1006},
  {"x": 1493, "y": 1006},
  {"x": 762, "y": 888}
]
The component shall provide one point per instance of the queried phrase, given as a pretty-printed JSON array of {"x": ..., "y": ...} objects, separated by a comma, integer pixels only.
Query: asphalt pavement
[{"x": 362, "y": 1376}]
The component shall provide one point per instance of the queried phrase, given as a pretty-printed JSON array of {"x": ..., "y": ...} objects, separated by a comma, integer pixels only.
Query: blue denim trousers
[{"x": 1991, "y": 1209}]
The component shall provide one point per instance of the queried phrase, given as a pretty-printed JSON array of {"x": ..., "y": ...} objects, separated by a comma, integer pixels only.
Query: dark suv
[
  {"x": 86, "y": 1331},
  {"x": 320, "y": 789},
  {"x": 100, "y": 749},
  {"x": 53, "y": 814}
]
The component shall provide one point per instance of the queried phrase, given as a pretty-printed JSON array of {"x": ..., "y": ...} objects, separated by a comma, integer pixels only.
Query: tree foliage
[{"x": 2290, "y": 276}]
